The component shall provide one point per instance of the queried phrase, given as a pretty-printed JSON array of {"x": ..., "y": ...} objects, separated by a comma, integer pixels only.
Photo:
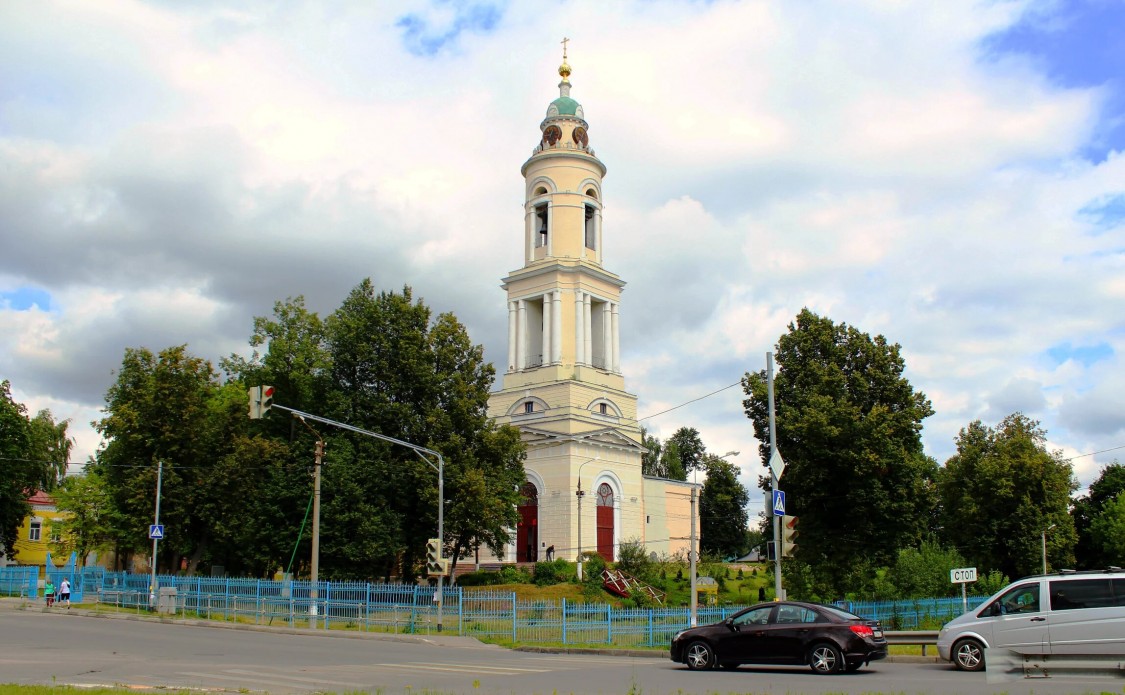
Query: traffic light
[
  {"x": 788, "y": 535},
  {"x": 261, "y": 400},
  {"x": 435, "y": 564}
]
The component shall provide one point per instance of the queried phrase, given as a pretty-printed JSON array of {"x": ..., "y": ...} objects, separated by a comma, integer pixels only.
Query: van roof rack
[{"x": 1113, "y": 568}]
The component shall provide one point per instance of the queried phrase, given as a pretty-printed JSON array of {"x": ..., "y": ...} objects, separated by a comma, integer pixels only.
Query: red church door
[
  {"x": 605, "y": 522},
  {"x": 527, "y": 529}
]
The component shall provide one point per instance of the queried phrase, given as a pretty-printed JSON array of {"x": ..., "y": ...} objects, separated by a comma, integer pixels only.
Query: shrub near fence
[{"x": 411, "y": 608}]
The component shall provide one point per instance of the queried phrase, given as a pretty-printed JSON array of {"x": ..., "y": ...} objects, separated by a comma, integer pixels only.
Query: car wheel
[
  {"x": 699, "y": 656},
  {"x": 968, "y": 655},
  {"x": 825, "y": 658}
]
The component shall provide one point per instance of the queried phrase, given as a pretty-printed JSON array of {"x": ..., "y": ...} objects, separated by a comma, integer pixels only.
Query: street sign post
[
  {"x": 962, "y": 576},
  {"x": 156, "y": 531},
  {"x": 779, "y": 503}
]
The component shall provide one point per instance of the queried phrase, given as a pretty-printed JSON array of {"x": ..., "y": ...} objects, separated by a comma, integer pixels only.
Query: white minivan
[{"x": 1075, "y": 613}]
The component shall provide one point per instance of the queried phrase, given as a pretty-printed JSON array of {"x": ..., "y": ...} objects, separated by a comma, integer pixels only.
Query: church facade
[{"x": 563, "y": 387}]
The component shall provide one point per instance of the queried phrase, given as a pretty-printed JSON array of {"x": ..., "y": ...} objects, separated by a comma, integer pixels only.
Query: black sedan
[{"x": 826, "y": 638}]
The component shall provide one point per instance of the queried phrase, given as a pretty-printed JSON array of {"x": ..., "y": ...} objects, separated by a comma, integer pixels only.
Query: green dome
[{"x": 565, "y": 106}]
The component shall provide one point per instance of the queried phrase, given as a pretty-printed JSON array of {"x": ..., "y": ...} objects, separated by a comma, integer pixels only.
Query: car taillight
[{"x": 863, "y": 631}]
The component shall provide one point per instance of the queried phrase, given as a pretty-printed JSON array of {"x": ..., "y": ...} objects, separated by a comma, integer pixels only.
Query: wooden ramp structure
[{"x": 621, "y": 584}]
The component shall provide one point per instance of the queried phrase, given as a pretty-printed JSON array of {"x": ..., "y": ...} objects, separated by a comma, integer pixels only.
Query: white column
[
  {"x": 607, "y": 336},
  {"x": 556, "y": 332},
  {"x": 616, "y": 362},
  {"x": 529, "y": 235},
  {"x": 548, "y": 329},
  {"x": 598, "y": 234},
  {"x": 521, "y": 336},
  {"x": 512, "y": 327},
  {"x": 587, "y": 331},
  {"x": 579, "y": 338}
]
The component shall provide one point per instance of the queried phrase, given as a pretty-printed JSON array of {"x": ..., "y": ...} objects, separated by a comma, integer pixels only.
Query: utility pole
[
  {"x": 691, "y": 560},
  {"x": 314, "y": 593},
  {"x": 155, "y": 540},
  {"x": 776, "y": 485}
]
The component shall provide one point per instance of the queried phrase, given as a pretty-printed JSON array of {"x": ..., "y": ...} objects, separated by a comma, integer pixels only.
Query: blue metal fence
[{"x": 411, "y": 608}]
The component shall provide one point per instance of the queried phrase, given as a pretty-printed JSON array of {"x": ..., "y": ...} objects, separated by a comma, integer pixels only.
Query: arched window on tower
[
  {"x": 541, "y": 225},
  {"x": 591, "y": 229}
]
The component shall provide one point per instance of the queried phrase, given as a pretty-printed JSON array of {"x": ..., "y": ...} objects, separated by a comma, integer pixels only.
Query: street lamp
[
  {"x": 692, "y": 544},
  {"x": 1045, "y": 546},
  {"x": 580, "y": 493}
]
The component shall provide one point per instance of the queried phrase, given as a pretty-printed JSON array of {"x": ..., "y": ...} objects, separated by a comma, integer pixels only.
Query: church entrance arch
[
  {"x": 527, "y": 529},
  {"x": 605, "y": 522}
]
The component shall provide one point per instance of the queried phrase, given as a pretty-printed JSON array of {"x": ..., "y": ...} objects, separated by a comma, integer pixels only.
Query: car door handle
[{"x": 1037, "y": 620}]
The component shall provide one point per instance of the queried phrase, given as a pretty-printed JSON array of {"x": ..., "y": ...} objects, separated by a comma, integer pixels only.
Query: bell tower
[{"x": 563, "y": 386}]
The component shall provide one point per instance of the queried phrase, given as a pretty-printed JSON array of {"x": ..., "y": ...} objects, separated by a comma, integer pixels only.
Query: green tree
[
  {"x": 161, "y": 408},
  {"x": 690, "y": 448},
  {"x": 923, "y": 572},
  {"x": 49, "y": 447},
  {"x": 89, "y": 521},
  {"x": 650, "y": 458},
  {"x": 1108, "y": 486},
  {"x": 1107, "y": 531},
  {"x": 671, "y": 465},
  {"x": 722, "y": 510},
  {"x": 849, "y": 427},
  {"x": 1000, "y": 491},
  {"x": 20, "y": 473},
  {"x": 396, "y": 372}
]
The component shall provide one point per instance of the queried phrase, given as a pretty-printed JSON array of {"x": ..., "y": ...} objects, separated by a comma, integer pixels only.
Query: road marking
[
  {"x": 478, "y": 667},
  {"x": 259, "y": 680},
  {"x": 245, "y": 672}
]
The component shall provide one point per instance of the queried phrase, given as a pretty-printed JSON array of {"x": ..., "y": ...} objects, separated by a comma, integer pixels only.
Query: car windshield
[{"x": 840, "y": 613}]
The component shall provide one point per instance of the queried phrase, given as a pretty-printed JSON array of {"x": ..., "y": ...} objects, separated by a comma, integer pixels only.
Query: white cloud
[{"x": 171, "y": 171}]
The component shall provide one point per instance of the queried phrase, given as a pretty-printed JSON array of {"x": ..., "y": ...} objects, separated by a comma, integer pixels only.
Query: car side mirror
[{"x": 729, "y": 622}]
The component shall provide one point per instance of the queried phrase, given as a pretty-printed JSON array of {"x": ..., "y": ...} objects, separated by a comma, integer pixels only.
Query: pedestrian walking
[
  {"x": 49, "y": 593},
  {"x": 64, "y": 592}
]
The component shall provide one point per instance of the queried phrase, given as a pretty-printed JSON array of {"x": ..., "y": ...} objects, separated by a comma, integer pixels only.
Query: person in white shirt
[{"x": 64, "y": 592}]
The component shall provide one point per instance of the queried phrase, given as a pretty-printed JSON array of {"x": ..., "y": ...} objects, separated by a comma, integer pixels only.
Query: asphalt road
[{"x": 56, "y": 648}]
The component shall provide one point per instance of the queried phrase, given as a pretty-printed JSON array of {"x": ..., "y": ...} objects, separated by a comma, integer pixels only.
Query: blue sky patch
[
  {"x": 1084, "y": 355},
  {"x": 425, "y": 34},
  {"x": 1106, "y": 212},
  {"x": 1077, "y": 43},
  {"x": 24, "y": 298}
]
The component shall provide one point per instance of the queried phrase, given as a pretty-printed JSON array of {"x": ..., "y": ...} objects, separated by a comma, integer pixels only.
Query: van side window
[
  {"x": 1081, "y": 593},
  {"x": 1021, "y": 599},
  {"x": 1119, "y": 592}
]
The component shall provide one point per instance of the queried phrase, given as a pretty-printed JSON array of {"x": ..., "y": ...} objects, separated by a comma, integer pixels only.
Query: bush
[
  {"x": 593, "y": 566},
  {"x": 553, "y": 572},
  {"x": 635, "y": 561}
]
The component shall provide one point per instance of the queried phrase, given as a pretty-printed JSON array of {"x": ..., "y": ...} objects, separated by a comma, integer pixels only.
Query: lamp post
[
  {"x": 1045, "y": 546},
  {"x": 692, "y": 543},
  {"x": 580, "y": 493}
]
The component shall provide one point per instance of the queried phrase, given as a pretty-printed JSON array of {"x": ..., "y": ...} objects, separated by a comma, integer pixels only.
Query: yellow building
[
  {"x": 563, "y": 387},
  {"x": 36, "y": 532}
]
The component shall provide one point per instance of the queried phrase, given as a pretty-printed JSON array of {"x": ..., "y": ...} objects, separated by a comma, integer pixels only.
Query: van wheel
[{"x": 968, "y": 655}]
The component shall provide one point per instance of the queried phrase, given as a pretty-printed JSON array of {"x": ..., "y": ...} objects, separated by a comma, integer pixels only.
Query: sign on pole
[
  {"x": 778, "y": 503},
  {"x": 156, "y": 531},
  {"x": 777, "y": 464},
  {"x": 963, "y": 576}
]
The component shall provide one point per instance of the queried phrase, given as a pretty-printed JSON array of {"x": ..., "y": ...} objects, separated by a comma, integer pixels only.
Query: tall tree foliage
[
  {"x": 690, "y": 449},
  {"x": 722, "y": 510},
  {"x": 19, "y": 473},
  {"x": 650, "y": 457},
  {"x": 1091, "y": 551},
  {"x": 1001, "y": 491},
  {"x": 849, "y": 427}
]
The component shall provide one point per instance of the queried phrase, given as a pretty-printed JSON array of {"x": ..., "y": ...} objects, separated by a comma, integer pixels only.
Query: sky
[{"x": 948, "y": 175}]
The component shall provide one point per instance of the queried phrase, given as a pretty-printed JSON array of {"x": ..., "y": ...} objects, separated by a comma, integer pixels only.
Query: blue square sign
[
  {"x": 778, "y": 503},
  {"x": 156, "y": 531}
]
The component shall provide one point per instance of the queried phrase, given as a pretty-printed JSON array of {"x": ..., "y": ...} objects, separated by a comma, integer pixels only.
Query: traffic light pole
[{"x": 422, "y": 452}]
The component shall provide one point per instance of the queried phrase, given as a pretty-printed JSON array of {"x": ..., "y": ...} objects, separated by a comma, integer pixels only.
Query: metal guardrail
[{"x": 924, "y": 638}]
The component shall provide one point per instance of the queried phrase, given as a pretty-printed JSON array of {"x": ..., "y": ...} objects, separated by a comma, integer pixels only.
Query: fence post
[
  {"x": 564, "y": 621},
  {"x": 609, "y": 624},
  {"x": 650, "y": 621},
  {"x": 513, "y": 616}
]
